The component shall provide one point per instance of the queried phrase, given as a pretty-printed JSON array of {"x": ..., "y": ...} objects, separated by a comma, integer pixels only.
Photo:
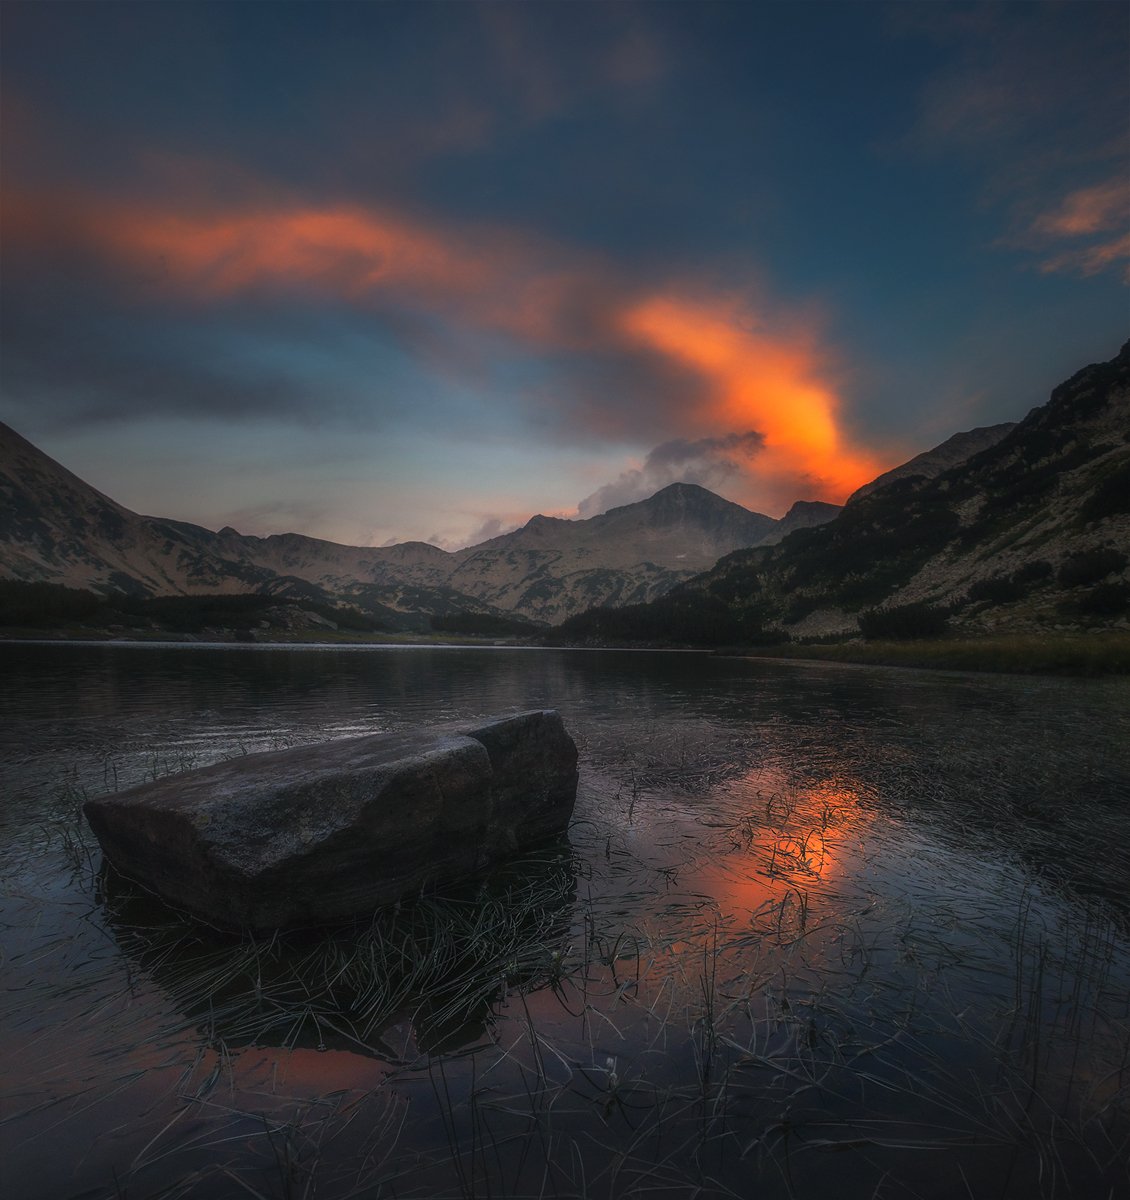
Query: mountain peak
[
  {"x": 678, "y": 498},
  {"x": 686, "y": 489}
]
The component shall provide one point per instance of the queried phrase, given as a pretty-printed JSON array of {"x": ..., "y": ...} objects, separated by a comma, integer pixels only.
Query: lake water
[{"x": 816, "y": 931}]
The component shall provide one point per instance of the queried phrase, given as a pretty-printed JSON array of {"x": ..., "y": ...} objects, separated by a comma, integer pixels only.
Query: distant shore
[
  {"x": 1089, "y": 654},
  {"x": 279, "y": 637},
  {"x": 1094, "y": 654}
]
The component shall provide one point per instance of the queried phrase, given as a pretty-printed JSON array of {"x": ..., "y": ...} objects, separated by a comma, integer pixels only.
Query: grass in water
[{"x": 741, "y": 977}]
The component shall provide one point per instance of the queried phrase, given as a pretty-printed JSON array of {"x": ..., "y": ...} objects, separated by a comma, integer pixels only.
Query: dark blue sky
[{"x": 380, "y": 271}]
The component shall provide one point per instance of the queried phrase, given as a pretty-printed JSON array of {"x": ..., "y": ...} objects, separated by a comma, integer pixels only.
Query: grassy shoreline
[
  {"x": 1106, "y": 653},
  {"x": 1089, "y": 655}
]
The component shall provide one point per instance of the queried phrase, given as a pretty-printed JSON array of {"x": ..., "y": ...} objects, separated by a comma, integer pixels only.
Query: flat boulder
[{"x": 321, "y": 833}]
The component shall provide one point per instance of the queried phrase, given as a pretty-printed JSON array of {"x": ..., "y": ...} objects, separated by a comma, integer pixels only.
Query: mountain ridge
[
  {"x": 57, "y": 528},
  {"x": 1030, "y": 533},
  {"x": 682, "y": 540}
]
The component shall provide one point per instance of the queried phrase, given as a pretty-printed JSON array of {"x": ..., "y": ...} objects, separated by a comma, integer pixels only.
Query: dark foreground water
[{"x": 816, "y": 932}]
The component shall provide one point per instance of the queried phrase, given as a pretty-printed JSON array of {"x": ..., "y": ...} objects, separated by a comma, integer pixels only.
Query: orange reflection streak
[
  {"x": 757, "y": 381},
  {"x": 790, "y": 849}
]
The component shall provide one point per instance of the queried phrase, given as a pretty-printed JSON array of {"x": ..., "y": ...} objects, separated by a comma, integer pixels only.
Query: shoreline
[{"x": 1101, "y": 654}]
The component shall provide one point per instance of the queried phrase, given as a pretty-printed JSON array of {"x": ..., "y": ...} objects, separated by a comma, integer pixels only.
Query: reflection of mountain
[
  {"x": 56, "y": 528},
  {"x": 442, "y": 963}
]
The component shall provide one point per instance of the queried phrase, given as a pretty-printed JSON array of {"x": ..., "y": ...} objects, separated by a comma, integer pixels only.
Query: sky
[{"x": 378, "y": 272}]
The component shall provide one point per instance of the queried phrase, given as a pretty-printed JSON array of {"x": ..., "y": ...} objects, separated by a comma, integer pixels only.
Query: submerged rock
[{"x": 321, "y": 833}]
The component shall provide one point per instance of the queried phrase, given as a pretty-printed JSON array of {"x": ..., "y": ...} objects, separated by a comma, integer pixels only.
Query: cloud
[
  {"x": 492, "y": 278},
  {"x": 1092, "y": 260},
  {"x": 638, "y": 60},
  {"x": 1099, "y": 217},
  {"x": 709, "y": 462},
  {"x": 613, "y": 355},
  {"x": 754, "y": 376},
  {"x": 276, "y": 516},
  {"x": 1097, "y": 209},
  {"x": 619, "y": 55},
  {"x": 491, "y": 527},
  {"x": 1034, "y": 98}
]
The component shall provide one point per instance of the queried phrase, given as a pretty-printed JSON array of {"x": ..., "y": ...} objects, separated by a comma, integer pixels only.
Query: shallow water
[{"x": 817, "y": 930}]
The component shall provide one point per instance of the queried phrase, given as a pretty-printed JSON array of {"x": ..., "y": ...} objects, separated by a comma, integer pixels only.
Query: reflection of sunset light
[
  {"x": 757, "y": 381},
  {"x": 788, "y": 849},
  {"x": 308, "y": 1072}
]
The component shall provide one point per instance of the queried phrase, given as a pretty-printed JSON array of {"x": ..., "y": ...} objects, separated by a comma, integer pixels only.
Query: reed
[{"x": 606, "y": 1020}]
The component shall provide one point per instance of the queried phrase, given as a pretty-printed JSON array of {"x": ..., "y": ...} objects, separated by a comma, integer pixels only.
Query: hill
[
  {"x": 55, "y": 528},
  {"x": 1030, "y": 533}
]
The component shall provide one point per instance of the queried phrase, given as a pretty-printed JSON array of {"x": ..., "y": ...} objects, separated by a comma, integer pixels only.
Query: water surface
[{"x": 816, "y": 930}]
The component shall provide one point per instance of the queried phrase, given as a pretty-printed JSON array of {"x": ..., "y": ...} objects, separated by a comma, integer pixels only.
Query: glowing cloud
[
  {"x": 745, "y": 405},
  {"x": 488, "y": 277},
  {"x": 1100, "y": 213},
  {"x": 754, "y": 379},
  {"x": 1097, "y": 209}
]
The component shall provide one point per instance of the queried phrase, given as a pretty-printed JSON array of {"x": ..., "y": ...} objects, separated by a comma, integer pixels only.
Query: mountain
[
  {"x": 552, "y": 568},
  {"x": 56, "y": 528},
  {"x": 1030, "y": 532},
  {"x": 931, "y": 463},
  {"x": 804, "y": 514}
]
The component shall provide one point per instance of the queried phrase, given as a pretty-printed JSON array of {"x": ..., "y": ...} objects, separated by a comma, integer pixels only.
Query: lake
[{"x": 816, "y": 931}]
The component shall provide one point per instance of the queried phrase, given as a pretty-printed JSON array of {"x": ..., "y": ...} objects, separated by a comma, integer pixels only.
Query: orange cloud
[
  {"x": 1092, "y": 259},
  {"x": 1097, "y": 209},
  {"x": 734, "y": 376},
  {"x": 490, "y": 278},
  {"x": 1100, "y": 213},
  {"x": 348, "y": 250},
  {"x": 757, "y": 380}
]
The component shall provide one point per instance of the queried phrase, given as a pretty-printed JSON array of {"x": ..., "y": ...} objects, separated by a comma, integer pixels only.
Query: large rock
[{"x": 319, "y": 833}]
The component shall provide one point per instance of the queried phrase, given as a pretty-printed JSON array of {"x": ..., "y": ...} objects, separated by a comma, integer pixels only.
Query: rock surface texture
[{"x": 321, "y": 833}]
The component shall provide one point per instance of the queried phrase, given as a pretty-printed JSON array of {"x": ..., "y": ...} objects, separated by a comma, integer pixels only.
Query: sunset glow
[
  {"x": 348, "y": 251},
  {"x": 751, "y": 378},
  {"x": 758, "y": 381},
  {"x": 794, "y": 848},
  {"x": 430, "y": 266}
]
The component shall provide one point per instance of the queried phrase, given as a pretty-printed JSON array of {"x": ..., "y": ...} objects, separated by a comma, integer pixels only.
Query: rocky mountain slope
[
  {"x": 1031, "y": 532},
  {"x": 551, "y": 568},
  {"x": 932, "y": 463},
  {"x": 56, "y": 528}
]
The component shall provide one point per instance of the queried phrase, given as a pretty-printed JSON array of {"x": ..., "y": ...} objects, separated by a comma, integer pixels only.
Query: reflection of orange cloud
[
  {"x": 757, "y": 381},
  {"x": 778, "y": 863}
]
